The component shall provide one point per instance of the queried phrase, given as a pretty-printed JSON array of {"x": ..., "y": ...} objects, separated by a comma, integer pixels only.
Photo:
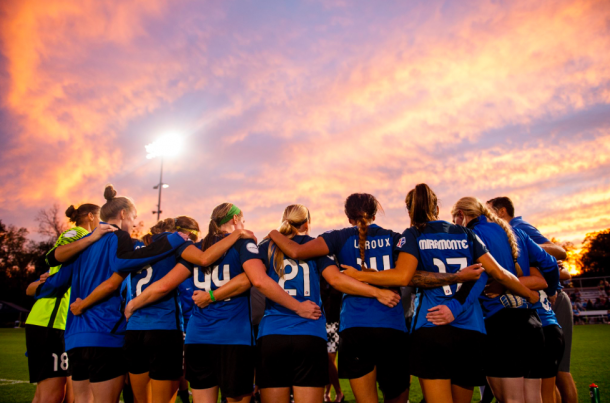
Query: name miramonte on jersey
[{"x": 443, "y": 244}]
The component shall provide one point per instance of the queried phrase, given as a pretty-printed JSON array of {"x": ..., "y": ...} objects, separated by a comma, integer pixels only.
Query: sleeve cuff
[{"x": 51, "y": 260}]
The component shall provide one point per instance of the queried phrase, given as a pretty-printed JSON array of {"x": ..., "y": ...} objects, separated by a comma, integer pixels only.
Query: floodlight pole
[{"x": 160, "y": 186}]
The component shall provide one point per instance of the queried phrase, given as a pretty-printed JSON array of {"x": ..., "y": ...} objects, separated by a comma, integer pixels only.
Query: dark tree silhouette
[
  {"x": 596, "y": 253},
  {"x": 51, "y": 222},
  {"x": 21, "y": 262}
]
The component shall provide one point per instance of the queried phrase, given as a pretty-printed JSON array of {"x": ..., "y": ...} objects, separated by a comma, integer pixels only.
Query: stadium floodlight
[{"x": 167, "y": 146}]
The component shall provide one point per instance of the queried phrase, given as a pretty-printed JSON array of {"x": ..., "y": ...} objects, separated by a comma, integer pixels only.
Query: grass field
[{"x": 590, "y": 363}]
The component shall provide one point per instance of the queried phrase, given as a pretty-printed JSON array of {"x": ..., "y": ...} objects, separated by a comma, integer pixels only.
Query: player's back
[
  {"x": 442, "y": 247},
  {"x": 163, "y": 314},
  {"x": 103, "y": 323},
  {"x": 301, "y": 280},
  {"x": 380, "y": 254},
  {"x": 227, "y": 321}
]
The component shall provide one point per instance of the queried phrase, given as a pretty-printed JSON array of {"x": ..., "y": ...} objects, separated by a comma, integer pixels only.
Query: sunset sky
[{"x": 308, "y": 101}]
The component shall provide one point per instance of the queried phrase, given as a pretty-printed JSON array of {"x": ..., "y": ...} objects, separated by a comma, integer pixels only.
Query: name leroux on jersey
[
  {"x": 374, "y": 244},
  {"x": 443, "y": 244}
]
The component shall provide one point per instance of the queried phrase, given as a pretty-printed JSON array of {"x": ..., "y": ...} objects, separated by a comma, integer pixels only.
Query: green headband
[{"x": 232, "y": 213}]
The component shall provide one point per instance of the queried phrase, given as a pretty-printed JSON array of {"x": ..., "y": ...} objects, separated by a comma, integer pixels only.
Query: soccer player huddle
[{"x": 170, "y": 308}]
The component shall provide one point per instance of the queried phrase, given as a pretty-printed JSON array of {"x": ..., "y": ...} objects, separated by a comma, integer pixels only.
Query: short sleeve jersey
[
  {"x": 228, "y": 321},
  {"x": 301, "y": 280},
  {"x": 499, "y": 246},
  {"x": 53, "y": 312},
  {"x": 443, "y": 248},
  {"x": 165, "y": 313},
  {"x": 380, "y": 254}
]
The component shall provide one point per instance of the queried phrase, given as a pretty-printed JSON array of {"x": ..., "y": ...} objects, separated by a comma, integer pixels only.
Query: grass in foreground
[{"x": 590, "y": 363}]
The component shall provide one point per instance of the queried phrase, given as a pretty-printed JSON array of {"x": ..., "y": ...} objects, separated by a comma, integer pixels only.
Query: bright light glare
[
  {"x": 165, "y": 186},
  {"x": 167, "y": 146}
]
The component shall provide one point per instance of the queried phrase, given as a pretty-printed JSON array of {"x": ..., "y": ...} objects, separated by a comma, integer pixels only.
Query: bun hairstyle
[
  {"x": 75, "y": 214},
  {"x": 473, "y": 207},
  {"x": 184, "y": 224},
  {"x": 422, "y": 205},
  {"x": 114, "y": 204},
  {"x": 360, "y": 208},
  {"x": 220, "y": 213},
  {"x": 294, "y": 217}
]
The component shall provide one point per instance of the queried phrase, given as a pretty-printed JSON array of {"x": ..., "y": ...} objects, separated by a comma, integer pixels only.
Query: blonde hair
[
  {"x": 184, "y": 224},
  {"x": 293, "y": 218},
  {"x": 473, "y": 207},
  {"x": 114, "y": 204}
]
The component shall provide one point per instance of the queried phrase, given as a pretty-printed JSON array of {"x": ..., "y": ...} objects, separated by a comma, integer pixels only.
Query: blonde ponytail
[
  {"x": 472, "y": 207},
  {"x": 293, "y": 218}
]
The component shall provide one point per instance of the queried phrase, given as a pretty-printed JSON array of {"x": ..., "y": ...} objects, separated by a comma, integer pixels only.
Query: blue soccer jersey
[
  {"x": 185, "y": 292},
  {"x": 444, "y": 248},
  {"x": 533, "y": 255},
  {"x": 165, "y": 313},
  {"x": 494, "y": 237},
  {"x": 103, "y": 324},
  {"x": 302, "y": 281},
  {"x": 380, "y": 254},
  {"x": 227, "y": 321},
  {"x": 529, "y": 229}
]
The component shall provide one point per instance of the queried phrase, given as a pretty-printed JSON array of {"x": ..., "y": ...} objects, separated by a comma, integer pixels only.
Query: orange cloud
[{"x": 312, "y": 105}]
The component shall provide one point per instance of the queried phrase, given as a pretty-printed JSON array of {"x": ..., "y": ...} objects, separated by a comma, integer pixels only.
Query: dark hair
[
  {"x": 422, "y": 204},
  {"x": 74, "y": 214},
  {"x": 361, "y": 207},
  {"x": 184, "y": 224},
  {"x": 114, "y": 204},
  {"x": 505, "y": 202}
]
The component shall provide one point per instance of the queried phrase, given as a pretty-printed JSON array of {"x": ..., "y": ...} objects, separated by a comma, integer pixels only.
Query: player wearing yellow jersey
[{"x": 45, "y": 325}]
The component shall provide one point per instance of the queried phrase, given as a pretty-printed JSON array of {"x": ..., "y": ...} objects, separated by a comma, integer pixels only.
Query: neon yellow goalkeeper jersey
[{"x": 53, "y": 312}]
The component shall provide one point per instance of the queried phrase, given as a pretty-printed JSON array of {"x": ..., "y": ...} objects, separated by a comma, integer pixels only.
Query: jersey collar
[
  {"x": 473, "y": 223},
  {"x": 516, "y": 221}
]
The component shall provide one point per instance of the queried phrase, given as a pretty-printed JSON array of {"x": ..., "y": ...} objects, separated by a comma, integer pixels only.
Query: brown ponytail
[
  {"x": 293, "y": 218},
  {"x": 360, "y": 208},
  {"x": 214, "y": 233},
  {"x": 75, "y": 214},
  {"x": 422, "y": 204},
  {"x": 114, "y": 204}
]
